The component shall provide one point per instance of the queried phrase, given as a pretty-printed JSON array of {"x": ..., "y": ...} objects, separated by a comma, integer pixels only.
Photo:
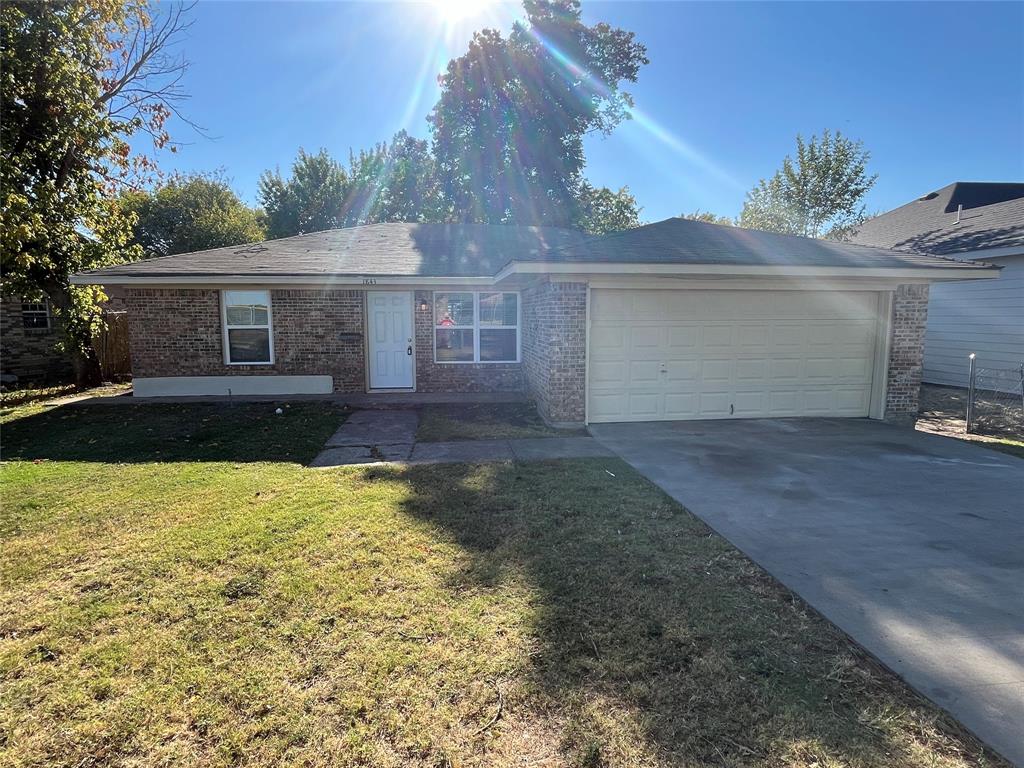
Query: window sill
[{"x": 478, "y": 362}]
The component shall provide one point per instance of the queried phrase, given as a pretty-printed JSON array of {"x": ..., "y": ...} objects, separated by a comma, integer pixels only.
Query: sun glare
[{"x": 454, "y": 11}]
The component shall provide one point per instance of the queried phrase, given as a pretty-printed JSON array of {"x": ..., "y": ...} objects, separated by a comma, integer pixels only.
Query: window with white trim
[
  {"x": 248, "y": 339},
  {"x": 476, "y": 327},
  {"x": 35, "y": 316}
]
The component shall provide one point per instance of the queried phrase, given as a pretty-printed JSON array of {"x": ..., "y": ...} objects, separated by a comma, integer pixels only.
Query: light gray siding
[{"x": 985, "y": 317}]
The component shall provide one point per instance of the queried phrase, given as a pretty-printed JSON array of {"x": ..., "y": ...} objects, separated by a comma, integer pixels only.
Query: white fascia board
[
  {"x": 589, "y": 270},
  {"x": 326, "y": 281},
  {"x": 984, "y": 254}
]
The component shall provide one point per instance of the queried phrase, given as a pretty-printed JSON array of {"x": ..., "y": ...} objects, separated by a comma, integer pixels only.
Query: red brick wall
[
  {"x": 554, "y": 349},
  {"x": 457, "y": 377},
  {"x": 906, "y": 352},
  {"x": 177, "y": 332}
]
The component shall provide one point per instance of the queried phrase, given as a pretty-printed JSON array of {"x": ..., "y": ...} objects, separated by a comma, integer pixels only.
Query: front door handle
[{"x": 408, "y": 350}]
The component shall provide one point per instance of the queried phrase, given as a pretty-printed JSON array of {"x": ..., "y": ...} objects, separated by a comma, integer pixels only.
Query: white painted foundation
[{"x": 193, "y": 386}]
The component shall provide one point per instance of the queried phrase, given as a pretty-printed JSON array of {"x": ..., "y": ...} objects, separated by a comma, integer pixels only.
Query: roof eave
[{"x": 924, "y": 274}]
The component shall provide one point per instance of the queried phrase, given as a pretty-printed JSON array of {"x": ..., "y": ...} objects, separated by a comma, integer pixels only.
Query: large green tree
[
  {"x": 394, "y": 181},
  {"x": 191, "y": 213},
  {"x": 508, "y": 128},
  {"x": 601, "y": 211},
  {"x": 818, "y": 193},
  {"x": 78, "y": 79},
  {"x": 311, "y": 199}
]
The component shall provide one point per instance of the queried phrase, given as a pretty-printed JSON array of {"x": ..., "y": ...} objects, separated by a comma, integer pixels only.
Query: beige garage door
[{"x": 659, "y": 354}]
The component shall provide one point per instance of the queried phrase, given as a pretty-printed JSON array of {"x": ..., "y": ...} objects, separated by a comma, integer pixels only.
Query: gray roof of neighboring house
[
  {"x": 992, "y": 217},
  {"x": 683, "y": 241},
  {"x": 481, "y": 250}
]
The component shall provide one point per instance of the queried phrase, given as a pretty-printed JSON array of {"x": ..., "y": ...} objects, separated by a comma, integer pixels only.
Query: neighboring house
[
  {"x": 29, "y": 333},
  {"x": 974, "y": 221},
  {"x": 674, "y": 320},
  {"x": 28, "y": 338}
]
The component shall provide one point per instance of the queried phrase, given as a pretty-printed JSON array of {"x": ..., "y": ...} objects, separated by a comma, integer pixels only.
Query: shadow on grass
[
  {"x": 157, "y": 432},
  {"x": 658, "y": 642}
]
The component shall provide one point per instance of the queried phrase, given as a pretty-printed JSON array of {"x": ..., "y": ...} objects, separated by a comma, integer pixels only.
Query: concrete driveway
[{"x": 911, "y": 543}]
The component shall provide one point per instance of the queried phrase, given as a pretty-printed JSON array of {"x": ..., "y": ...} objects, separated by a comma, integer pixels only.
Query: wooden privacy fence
[{"x": 111, "y": 347}]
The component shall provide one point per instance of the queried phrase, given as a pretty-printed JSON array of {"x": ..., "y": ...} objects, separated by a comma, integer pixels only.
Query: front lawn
[
  {"x": 484, "y": 421},
  {"x": 199, "y": 606}
]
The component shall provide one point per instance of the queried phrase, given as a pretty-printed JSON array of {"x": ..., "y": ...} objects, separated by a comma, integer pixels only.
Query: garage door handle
[{"x": 408, "y": 350}]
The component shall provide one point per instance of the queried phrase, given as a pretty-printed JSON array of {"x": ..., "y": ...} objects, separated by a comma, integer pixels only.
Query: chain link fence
[{"x": 995, "y": 400}]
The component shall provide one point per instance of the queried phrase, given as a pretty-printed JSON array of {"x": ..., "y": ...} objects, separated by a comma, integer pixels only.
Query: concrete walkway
[
  {"x": 375, "y": 436},
  {"x": 911, "y": 543}
]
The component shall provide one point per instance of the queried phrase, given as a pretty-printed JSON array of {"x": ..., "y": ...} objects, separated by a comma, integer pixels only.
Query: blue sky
[{"x": 935, "y": 90}]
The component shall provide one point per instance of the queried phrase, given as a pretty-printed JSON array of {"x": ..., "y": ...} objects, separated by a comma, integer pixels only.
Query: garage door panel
[
  {"x": 718, "y": 337},
  {"x": 719, "y": 354},
  {"x": 716, "y": 372},
  {"x": 787, "y": 335},
  {"x": 753, "y": 336},
  {"x": 644, "y": 373},
  {"x": 753, "y": 370},
  {"x": 608, "y": 374},
  {"x": 644, "y": 404},
  {"x": 679, "y": 371},
  {"x": 684, "y": 337},
  {"x": 714, "y": 404},
  {"x": 680, "y": 405}
]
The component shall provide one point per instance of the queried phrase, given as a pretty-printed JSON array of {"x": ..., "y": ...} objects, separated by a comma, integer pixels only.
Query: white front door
[{"x": 389, "y": 327}]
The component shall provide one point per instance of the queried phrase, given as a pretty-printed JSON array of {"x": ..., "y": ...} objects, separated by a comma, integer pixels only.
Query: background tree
[
  {"x": 709, "y": 218},
  {"x": 394, "y": 182},
  {"x": 508, "y": 128},
  {"x": 820, "y": 193},
  {"x": 601, "y": 211},
  {"x": 78, "y": 79},
  {"x": 191, "y": 213},
  {"x": 311, "y": 199}
]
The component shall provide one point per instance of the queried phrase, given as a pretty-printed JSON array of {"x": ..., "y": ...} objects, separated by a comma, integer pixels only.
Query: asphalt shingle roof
[
  {"x": 480, "y": 250},
  {"x": 992, "y": 217},
  {"x": 683, "y": 241},
  {"x": 401, "y": 250}
]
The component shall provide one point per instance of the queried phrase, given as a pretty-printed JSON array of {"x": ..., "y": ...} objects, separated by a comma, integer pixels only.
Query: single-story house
[
  {"x": 972, "y": 221},
  {"x": 673, "y": 320}
]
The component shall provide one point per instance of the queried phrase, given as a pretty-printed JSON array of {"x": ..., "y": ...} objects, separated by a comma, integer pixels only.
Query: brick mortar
[
  {"x": 177, "y": 332},
  {"x": 906, "y": 352},
  {"x": 554, "y": 349}
]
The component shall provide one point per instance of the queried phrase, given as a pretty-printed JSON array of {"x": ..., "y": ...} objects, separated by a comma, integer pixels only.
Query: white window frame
[
  {"x": 476, "y": 328},
  {"x": 224, "y": 325},
  {"x": 45, "y": 311}
]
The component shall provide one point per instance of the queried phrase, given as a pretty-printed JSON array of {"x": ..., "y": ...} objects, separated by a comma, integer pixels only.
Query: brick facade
[
  {"x": 30, "y": 353},
  {"x": 906, "y": 352},
  {"x": 554, "y": 349},
  {"x": 177, "y": 332},
  {"x": 456, "y": 377}
]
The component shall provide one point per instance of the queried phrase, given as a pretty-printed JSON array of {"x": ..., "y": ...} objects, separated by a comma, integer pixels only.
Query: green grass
[
  {"x": 212, "y": 605},
  {"x": 484, "y": 421},
  {"x": 169, "y": 432}
]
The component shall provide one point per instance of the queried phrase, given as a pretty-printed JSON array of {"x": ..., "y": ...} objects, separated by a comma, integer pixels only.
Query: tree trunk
[
  {"x": 77, "y": 338},
  {"x": 86, "y": 367}
]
